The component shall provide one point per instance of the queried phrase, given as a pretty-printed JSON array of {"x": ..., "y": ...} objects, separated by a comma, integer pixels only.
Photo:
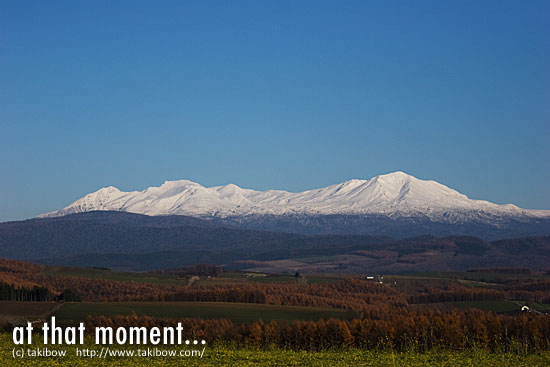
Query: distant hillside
[
  {"x": 164, "y": 241},
  {"x": 138, "y": 242},
  {"x": 494, "y": 228}
]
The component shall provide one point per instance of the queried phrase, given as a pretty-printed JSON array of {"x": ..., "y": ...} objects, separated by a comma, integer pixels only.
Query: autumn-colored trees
[
  {"x": 456, "y": 294},
  {"x": 389, "y": 316},
  {"x": 420, "y": 331}
]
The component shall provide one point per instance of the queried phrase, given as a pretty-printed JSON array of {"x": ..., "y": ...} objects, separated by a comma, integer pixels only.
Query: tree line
[
  {"x": 420, "y": 330},
  {"x": 10, "y": 292}
]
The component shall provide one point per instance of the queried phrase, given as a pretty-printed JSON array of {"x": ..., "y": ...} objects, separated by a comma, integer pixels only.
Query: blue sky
[{"x": 272, "y": 94}]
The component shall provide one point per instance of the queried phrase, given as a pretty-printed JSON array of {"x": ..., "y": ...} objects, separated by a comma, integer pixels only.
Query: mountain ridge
[{"x": 395, "y": 194}]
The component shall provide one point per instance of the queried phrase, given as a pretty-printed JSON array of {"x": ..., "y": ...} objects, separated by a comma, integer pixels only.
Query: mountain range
[
  {"x": 395, "y": 204},
  {"x": 395, "y": 194},
  {"x": 393, "y": 222}
]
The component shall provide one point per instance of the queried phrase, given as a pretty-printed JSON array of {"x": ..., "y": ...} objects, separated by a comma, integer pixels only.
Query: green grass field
[
  {"x": 94, "y": 273},
  {"x": 480, "y": 277},
  {"x": 477, "y": 284},
  {"x": 236, "y": 312},
  {"x": 229, "y": 277},
  {"x": 241, "y": 357},
  {"x": 240, "y": 276},
  {"x": 541, "y": 307},
  {"x": 319, "y": 259}
]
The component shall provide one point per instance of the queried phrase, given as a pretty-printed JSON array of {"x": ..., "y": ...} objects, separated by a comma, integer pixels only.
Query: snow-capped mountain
[{"x": 392, "y": 195}]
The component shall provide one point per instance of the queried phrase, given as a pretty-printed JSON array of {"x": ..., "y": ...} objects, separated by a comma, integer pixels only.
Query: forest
[{"x": 400, "y": 313}]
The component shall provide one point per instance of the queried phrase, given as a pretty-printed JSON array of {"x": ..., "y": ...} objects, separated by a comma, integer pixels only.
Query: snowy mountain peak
[
  {"x": 395, "y": 175},
  {"x": 107, "y": 190},
  {"x": 394, "y": 194}
]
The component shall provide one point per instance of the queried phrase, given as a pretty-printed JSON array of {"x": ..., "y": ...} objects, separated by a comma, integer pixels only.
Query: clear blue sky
[{"x": 272, "y": 94}]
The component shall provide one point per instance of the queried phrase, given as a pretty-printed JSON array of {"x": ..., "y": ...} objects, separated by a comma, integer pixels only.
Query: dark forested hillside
[
  {"x": 163, "y": 241},
  {"x": 139, "y": 242},
  {"x": 489, "y": 228}
]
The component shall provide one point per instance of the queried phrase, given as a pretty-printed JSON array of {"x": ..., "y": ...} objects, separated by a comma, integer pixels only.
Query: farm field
[
  {"x": 346, "y": 311},
  {"x": 279, "y": 278},
  {"x": 119, "y": 276},
  {"x": 468, "y": 279},
  {"x": 241, "y": 357},
  {"x": 226, "y": 277},
  {"x": 236, "y": 312},
  {"x": 18, "y": 312},
  {"x": 484, "y": 277}
]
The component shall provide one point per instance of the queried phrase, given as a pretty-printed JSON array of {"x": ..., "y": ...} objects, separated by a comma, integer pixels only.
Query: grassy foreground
[{"x": 223, "y": 356}]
